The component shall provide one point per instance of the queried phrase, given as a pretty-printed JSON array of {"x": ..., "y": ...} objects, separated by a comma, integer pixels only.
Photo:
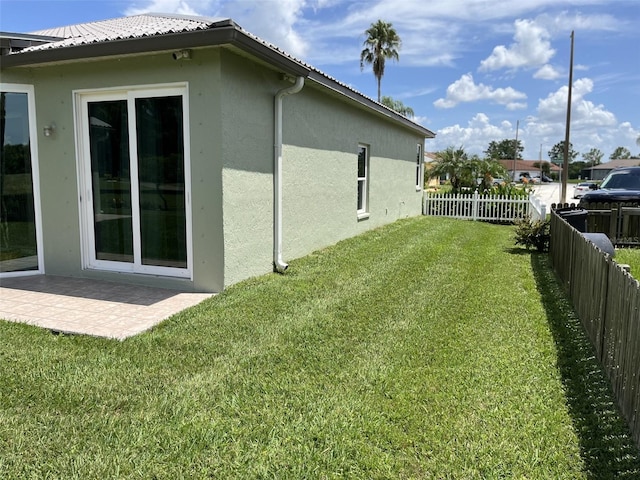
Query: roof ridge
[{"x": 204, "y": 20}]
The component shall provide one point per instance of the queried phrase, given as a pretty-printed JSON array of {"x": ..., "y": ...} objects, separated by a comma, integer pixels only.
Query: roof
[
  {"x": 620, "y": 162},
  {"x": 155, "y": 32},
  {"x": 136, "y": 26},
  {"x": 527, "y": 165}
]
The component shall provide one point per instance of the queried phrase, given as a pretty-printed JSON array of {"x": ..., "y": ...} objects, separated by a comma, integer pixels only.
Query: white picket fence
[{"x": 491, "y": 208}]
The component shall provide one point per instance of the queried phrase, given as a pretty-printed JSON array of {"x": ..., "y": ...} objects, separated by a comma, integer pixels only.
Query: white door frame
[
  {"x": 35, "y": 174},
  {"x": 82, "y": 98}
]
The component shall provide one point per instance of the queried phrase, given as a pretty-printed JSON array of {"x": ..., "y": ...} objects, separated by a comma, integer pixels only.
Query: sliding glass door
[
  {"x": 20, "y": 246},
  {"x": 135, "y": 159}
]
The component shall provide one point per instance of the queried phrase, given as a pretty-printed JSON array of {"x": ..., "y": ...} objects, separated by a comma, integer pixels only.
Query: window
[
  {"x": 135, "y": 159},
  {"x": 20, "y": 225},
  {"x": 363, "y": 180},
  {"x": 419, "y": 169}
]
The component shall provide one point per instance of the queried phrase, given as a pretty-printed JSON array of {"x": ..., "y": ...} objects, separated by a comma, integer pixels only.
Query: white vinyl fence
[{"x": 491, "y": 208}]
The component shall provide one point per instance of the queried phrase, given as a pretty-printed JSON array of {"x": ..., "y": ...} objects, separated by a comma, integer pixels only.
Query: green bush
[{"x": 533, "y": 234}]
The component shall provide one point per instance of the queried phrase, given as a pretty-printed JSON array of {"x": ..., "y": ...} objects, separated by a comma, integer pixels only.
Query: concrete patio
[{"x": 89, "y": 307}]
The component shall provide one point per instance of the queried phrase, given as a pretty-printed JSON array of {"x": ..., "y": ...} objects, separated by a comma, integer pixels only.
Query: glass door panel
[
  {"x": 111, "y": 180},
  {"x": 135, "y": 161},
  {"x": 18, "y": 239},
  {"x": 161, "y": 181}
]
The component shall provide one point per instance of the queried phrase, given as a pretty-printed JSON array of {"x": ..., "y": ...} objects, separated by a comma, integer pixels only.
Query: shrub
[{"x": 533, "y": 234}]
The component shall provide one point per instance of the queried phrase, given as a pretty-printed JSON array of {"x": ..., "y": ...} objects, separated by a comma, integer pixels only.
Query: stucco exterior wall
[
  {"x": 231, "y": 128},
  {"x": 320, "y": 171},
  {"x": 320, "y": 144},
  {"x": 54, "y": 94}
]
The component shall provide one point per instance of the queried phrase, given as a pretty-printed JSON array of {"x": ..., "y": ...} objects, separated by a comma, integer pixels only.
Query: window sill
[{"x": 363, "y": 216}]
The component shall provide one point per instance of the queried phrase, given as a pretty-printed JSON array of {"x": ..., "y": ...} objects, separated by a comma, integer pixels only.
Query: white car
[{"x": 583, "y": 187}]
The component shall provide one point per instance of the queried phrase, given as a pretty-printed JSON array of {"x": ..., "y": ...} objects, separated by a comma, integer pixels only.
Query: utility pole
[
  {"x": 515, "y": 150},
  {"x": 565, "y": 168}
]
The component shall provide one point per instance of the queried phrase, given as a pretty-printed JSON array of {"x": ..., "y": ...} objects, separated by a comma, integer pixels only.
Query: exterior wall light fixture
[
  {"x": 49, "y": 130},
  {"x": 182, "y": 54}
]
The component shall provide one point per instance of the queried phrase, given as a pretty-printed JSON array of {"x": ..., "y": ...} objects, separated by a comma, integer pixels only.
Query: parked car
[
  {"x": 621, "y": 185},
  {"x": 583, "y": 187},
  {"x": 498, "y": 181},
  {"x": 543, "y": 178}
]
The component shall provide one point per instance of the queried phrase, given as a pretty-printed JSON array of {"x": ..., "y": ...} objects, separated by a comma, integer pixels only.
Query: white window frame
[
  {"x": 35, "y": 173},
  {"x": 419, "y": 168},
  {"x": 363, "y": 207},
  {"x": 83, "y": 160}
]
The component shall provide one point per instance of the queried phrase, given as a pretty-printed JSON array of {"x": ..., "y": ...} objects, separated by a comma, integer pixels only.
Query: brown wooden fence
[
  {"x": 607, "y": 301},
  {"x": 619, "y": 221}
]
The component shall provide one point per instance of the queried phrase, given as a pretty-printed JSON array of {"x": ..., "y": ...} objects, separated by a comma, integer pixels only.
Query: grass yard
[
  {"x": 631, "y": 257},
  {"x": 428, "y": 349}
]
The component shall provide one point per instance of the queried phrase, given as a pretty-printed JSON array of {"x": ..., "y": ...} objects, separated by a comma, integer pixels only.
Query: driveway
[{"x": 549, "y": 193}]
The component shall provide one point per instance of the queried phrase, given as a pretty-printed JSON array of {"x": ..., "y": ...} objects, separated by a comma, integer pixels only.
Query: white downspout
[{"x": 279, "y": 265}]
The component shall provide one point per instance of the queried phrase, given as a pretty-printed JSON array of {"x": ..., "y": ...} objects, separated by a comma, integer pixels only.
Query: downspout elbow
[{"x": 279, "y": 264}]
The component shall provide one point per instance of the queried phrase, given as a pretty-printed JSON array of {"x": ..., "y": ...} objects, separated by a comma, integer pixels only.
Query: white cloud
[
  {"x": 584, "y": 113},
  {"x": 547, "y": 72},
  {"x": 530, "y": 49},
  {"x": 182, "y": 7},
  {"x": 274, "y": 21},
  {"x": 466, "y": 90},
  {"x": 475, "y": 137}
]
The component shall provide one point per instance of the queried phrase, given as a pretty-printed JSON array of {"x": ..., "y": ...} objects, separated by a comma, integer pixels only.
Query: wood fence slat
[{"x": 607, "y": 301}]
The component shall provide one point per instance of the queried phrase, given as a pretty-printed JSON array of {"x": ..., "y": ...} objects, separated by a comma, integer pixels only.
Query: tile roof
[
  {"x": 159, "y": 24},
  {"x": 136, "y": 26},
  {"x": 618, "y": 163},
  {"x": 527, "y": 165}
]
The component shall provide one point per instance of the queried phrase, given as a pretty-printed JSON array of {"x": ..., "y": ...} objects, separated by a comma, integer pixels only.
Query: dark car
[{"x": 621, "y": 185}]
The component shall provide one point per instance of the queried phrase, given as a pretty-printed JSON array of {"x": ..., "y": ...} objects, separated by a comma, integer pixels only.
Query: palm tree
[
  {"x": 452, "y": 163},
  {"x": 398, "y": 106},
  {"x": 382, "y": 42}
]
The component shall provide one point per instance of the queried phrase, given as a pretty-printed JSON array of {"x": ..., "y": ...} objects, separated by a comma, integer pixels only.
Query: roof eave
[
  {"x": 228, "y": 34},
  {"x": 223, "y": 33}
]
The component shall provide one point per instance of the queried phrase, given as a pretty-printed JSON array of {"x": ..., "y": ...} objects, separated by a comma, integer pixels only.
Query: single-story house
[
  {"x": 531, "y": 168},
  {"x": 186, "y": 153},
  {"x": 598, "y": 172}
]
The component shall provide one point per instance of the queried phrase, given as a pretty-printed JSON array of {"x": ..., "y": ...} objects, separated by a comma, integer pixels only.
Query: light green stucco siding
[
  {"x": 59, "y": 187},
  {"x": 231, "y": 138}
]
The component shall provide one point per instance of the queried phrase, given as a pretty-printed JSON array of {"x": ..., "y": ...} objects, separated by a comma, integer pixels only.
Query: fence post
[{"x": 474, "y": 205}]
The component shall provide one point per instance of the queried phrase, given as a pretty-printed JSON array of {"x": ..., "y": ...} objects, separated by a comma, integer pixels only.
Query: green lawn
[
  {"x": 429, "y": 349},
  {"x": 631, "y": 257}
]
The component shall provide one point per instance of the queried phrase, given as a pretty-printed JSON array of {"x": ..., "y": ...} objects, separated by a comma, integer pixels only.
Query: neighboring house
[
  {"x": 598, "y": 172},
  {"x": 429, "y": 158},
  {"x": 186, "y": 153},
  {"x": 528, "y": 167}
]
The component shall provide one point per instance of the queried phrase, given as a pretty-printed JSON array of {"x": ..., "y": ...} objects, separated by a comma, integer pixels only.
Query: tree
[
  {"x": 486, "y": 170},
  {"x": 619, "y": 153},
  {"x": 382, "y": 43},
  {"x": 452, "y": 163},
  {"x": 398, "y": 106},
  {"x": 593, "y": 157},
  {"x": 504, "y": 150},
  {"x": 556, "y": 154},
  {"x": 466, "y": 173},
  {"x": 544, "y": 166}
]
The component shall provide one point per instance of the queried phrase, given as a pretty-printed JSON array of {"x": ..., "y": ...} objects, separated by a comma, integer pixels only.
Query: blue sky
[{"x": 472, "y": 70}]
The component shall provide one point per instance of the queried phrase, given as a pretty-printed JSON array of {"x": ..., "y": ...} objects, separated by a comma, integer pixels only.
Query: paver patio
[{"x": 90, "y": 307}]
